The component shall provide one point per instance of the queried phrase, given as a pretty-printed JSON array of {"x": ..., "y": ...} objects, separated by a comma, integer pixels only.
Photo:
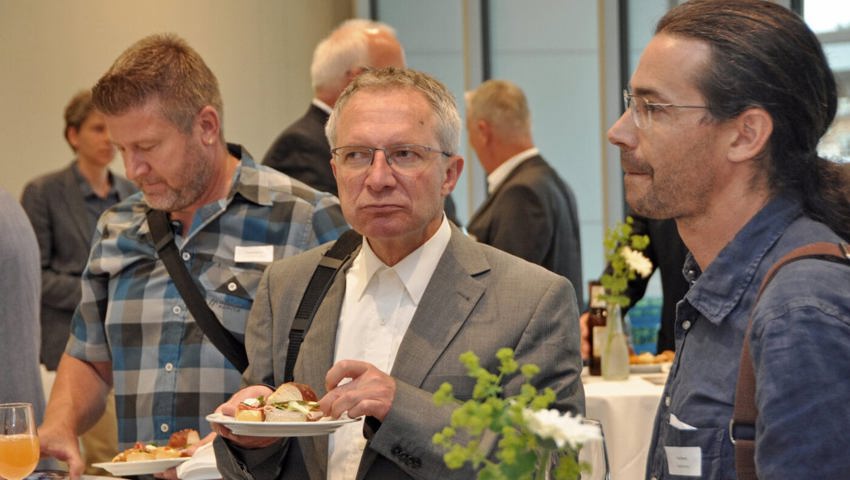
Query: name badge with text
[
  {"x": 254, "y": 254},
  {"x": 684, "y": 461}
]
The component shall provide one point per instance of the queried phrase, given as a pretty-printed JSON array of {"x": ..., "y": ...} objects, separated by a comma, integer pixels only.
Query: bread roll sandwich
[{"x": 291, "y": 402}]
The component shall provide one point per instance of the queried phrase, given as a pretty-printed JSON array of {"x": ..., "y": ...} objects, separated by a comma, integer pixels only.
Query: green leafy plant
[
  {"x": 623, "y": 252},
  {"x": 527, "y": 433}
]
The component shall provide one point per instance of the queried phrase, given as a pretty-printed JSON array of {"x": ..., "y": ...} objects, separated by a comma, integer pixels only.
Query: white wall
[{"x": 260, "y": 50}]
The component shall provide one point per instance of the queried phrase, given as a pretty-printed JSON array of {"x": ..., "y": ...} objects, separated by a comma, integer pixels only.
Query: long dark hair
[{"x": 764, "y": 55}]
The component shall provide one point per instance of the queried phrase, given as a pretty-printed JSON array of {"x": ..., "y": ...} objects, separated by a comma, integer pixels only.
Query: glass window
[{"x": 830, "y": 20}]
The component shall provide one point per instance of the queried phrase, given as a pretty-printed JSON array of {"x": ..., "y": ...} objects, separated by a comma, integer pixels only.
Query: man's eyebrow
[{"x": 646, "y": 92}]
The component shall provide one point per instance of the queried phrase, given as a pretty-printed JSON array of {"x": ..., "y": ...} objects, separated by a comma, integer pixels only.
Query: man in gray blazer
[
  {"x": 63, "y": 207},
  {"x": 530, "y": 211},
  {"x": 416, "y": 295}
]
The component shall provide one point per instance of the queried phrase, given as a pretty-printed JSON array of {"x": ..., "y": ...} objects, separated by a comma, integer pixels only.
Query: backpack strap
[
  {"x": 320, "y": 282},
  {"x": 166, "y": 250},
  {"x": 742, "y": 427}
]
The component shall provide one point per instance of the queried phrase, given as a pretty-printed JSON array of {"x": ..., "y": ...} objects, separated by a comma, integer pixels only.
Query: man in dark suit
[
  {"x": 416, "y": 295},
  {"x": 302, "y": 150},
  {"x": 530, "y": 211},
  {"x": 63, "y": 207}
]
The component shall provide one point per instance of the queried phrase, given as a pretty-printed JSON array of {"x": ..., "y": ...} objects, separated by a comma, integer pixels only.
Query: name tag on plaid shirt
[{"x": 254, "y": 254}]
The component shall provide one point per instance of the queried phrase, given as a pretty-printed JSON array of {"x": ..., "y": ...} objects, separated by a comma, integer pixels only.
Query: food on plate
[
  {"x": 176, "y": 448},
  {"x": 291, "y": 402},
  {"x": 647, "y": 358}
]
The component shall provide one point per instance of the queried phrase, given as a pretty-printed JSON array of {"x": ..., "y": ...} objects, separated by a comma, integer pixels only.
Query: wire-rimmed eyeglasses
[
  {"x": 407, "y": 158},
  {"x": 641, "y": 110}
]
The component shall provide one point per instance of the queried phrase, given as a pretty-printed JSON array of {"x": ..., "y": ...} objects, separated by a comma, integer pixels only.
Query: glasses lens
[
  {"x": 637, "y": 107},
  {"x": 407, "y": 157},
  {"x": 354, "y": 158}
]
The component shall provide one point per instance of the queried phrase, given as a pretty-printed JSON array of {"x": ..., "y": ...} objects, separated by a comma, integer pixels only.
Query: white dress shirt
[
  {"x": 495, "y": 179},
  {"x": 378, "y": 306},
  {"x": 322, "y": 105}
]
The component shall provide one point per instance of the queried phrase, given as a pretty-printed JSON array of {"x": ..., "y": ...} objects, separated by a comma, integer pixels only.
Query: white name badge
[
  {"x": 684, "y": 461},
  {"x": 254, "y": 254}
]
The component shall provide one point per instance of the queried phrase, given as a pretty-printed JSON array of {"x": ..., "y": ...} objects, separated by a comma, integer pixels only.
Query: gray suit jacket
[
  {"x": 57, "y": 210},
  {"x": 533, "y": 215},
  {"x": 20, "y": 286},
  {"x": 479, "y": 299}
]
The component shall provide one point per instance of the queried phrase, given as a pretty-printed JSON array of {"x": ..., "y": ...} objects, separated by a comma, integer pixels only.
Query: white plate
[
  {"x": 650, "y": 367},
  {"x": 142, "y": 467},
  {"x": 279, "y": 429}
]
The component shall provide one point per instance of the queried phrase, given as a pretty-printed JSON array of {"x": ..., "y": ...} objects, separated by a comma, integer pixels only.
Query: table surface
[{"x": 626, "y": 410}]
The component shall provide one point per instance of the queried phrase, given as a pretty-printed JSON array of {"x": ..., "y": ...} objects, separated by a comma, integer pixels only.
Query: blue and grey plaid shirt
[{"x": 167, "y": 375}]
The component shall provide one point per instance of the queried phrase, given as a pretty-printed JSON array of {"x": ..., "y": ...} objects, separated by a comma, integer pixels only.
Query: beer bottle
[{"x": 596, "y": 326}]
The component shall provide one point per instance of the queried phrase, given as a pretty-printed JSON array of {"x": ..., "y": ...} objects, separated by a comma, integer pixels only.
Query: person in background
[
  {"x": 530, "y": 211},
  {"x": 724, "y": 114},
  {"x": 20, "y": 291},
  {"x": 229, "y": 218},
  {"x": 63, "y": 207},
  {"x": 416, "y": 295},
  {"x": 301, "y": 150}
]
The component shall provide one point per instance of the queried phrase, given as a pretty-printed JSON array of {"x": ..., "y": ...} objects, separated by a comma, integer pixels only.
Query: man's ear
[
  {"x": 454, "y": 167},
  {"x": 484, "y": 130},
  {"x": 209, "y": 124},
  {"x": 751, "y": 132}
]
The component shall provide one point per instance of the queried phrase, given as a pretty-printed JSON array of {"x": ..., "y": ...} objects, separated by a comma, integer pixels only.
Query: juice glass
[{"x": 19, "y": 449}]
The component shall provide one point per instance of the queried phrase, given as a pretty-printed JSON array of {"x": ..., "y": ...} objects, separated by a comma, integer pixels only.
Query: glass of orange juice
[{"x": 19, "y": 448}]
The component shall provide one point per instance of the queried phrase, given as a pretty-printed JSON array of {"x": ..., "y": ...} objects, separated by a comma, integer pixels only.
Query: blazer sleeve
[{"x": 60, "y": 290}]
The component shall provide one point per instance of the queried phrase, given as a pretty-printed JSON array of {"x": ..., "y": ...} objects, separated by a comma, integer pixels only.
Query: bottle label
[
  {"x": 596, "y": 291},
  {"x": 600, "y": 334}
]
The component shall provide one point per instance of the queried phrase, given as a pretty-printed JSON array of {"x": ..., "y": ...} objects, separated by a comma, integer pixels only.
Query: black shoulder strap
[
  {"x": 743, "y": 423},
  {"x": 318, "y": 286},
  {"x": 223, "y": 340}
]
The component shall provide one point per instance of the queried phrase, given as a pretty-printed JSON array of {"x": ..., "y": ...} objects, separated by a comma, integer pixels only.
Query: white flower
[
  {"x": 561, "y": 428},
  {"x": 637, "y": 261}
]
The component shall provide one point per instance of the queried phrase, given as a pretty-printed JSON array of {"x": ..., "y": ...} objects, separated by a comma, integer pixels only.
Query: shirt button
[
  {"x": 686, "y": 324},
  {"x": 163, "y": 428},
  {"x": 232, "y": 286},
  {"x": 169, "y": 367},
  {"x": 177, "y": 309},
  {"x": 186, "y": 256},
  {"x": 667, "y": 401}
]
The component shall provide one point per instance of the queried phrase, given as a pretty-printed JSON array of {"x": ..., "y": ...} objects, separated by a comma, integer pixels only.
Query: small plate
[
  {"x": 141, "y": 467},
  {"x": 279, "y": 429},
  {"x": 645, "y": 368}
]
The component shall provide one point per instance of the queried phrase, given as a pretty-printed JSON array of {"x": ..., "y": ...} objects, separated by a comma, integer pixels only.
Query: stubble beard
[{"x": 195, "y": 178}]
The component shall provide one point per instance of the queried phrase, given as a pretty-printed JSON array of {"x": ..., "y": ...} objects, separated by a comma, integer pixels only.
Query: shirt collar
[
  {"x": 322, "y": 106},
  {"x": 719, "y": 289},
  {"x": 414, "y": 270},
  {"x": 85, "y": 187},
  {"x": 495, "y": 179}
]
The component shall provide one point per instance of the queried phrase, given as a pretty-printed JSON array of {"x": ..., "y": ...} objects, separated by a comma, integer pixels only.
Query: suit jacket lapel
[
  {"x": 73, "y": 198},
  {"x": 448, "y": 301}
]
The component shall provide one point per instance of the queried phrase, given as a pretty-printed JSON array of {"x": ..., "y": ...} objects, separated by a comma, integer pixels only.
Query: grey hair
[
  {"x": 346, "y": 48},
  {"x": 502, "y": 104},
  {"x": 391, "y": 78}
]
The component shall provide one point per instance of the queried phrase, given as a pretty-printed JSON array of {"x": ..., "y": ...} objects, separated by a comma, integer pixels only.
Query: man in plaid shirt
[{"x": 230, "y": 218}]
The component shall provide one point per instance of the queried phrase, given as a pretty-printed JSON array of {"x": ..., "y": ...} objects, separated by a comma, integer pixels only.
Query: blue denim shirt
[{"x": 800, "y": 344}]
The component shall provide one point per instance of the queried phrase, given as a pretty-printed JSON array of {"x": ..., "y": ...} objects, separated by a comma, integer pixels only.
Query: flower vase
[{"x": 615, "y": 355}]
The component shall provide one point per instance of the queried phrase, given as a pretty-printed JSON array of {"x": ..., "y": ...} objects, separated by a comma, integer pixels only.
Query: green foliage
[
  {"x": 617, "y": 277},
  {"x": 519, "y": 453}
]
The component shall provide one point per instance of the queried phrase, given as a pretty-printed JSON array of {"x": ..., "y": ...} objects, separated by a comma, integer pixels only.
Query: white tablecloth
[{"x": 626, "y": 410}]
